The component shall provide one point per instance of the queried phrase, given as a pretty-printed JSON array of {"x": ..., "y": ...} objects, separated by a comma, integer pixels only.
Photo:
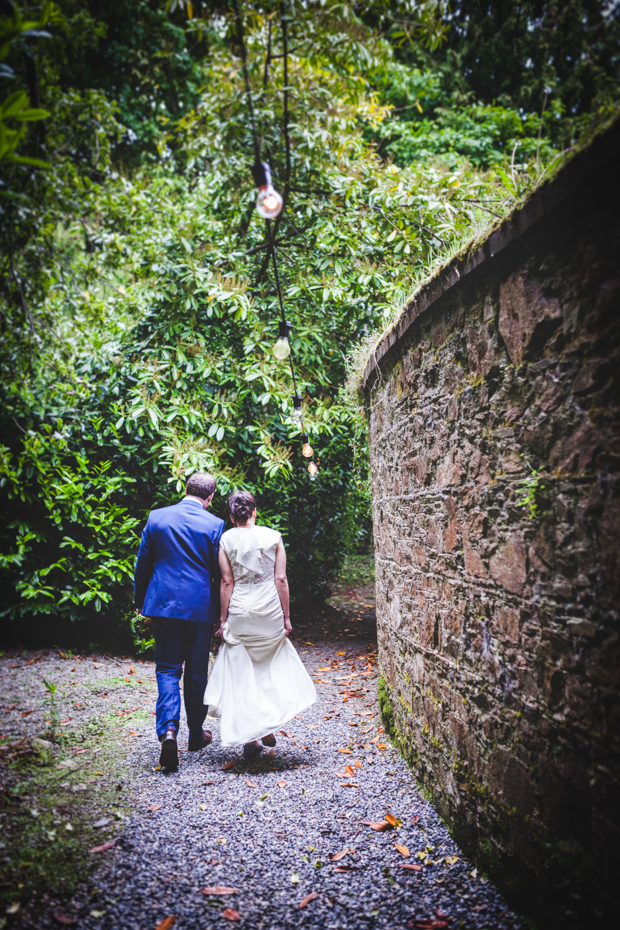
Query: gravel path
[{"x": 287, "y": 832}]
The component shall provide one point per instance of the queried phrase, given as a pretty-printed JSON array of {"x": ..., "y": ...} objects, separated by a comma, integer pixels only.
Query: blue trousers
[{"x": 178, "y": 642}]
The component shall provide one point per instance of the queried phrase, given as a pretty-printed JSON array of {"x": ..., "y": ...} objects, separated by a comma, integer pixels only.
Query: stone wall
[{"x": 498, "y": 618}]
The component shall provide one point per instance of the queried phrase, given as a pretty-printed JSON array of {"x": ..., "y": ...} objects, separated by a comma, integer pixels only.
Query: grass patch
[{"x": 52, "y": 794}]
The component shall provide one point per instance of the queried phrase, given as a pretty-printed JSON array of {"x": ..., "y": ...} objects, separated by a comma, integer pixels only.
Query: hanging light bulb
[
  {"x": 269, "y": 202},
  {"x": 313, "y": 470},
  {"x": 282, "y": 347},
  {"x": 306, "y": 450},
  {"x": 297, "y": 414}
]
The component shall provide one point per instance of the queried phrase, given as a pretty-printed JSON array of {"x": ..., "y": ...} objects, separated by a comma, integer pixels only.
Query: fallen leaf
[
  {"x": 203, "y": 807},
  {"x": 131, "y": 670},
  {"x": 231, "y": 914},
  {"x": 378, "y": 825},
  {"x": 341, "y": 653},
  {"x": 415, "y": 819},
  {"x": 403, "y": 850},
  {"x": 341, "y": 854},
  {"x": 346, "y": 868},
  {"x": 288, "y": 735},
  {"x": 229, "y": 765},
  {"x": 349, "y": 784},
  {"x": 452, "y": 859},
  {"x": 15, "y": 906},
  {"x": 65, "y": 919},
  {"x": 282, "y": 784},
  {"x": 27, "y": 713},
  {"x": 381, "y": 746},
  {"x": 350, "y": 752},
  {"x": 250, "y": 784},
  {"x": 376, "y": 739},
  {"x": 309, "y": 897},
  {"x": 411, "y": 866},
  {"x": 349, "y": 770},
  {"x": 431, "y": 924},
  {"x": 203, "y": 783},
  {"x": 294, "y": 878},
  {"x": 357, "y": 764},
  {"x": 166, "y": 923},
  {"x": 219, "y": 889},
  {"x": 326, "y": 668},
  {"x": 155, "y": 807},
  {"x": 391, "y": 819},
  {"x": 108, "y": 845}
]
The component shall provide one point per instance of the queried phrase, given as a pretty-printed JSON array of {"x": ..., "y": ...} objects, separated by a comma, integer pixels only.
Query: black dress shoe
[
  {"x": 169, "y": 757},
  {"x": 205, "y": 740}
]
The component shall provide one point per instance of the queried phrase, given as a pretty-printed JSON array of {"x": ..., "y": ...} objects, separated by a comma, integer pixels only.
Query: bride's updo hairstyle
[{"x": 241, "y": 505}]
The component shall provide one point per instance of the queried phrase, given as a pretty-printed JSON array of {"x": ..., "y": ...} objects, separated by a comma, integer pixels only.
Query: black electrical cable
[{"x": 248, "y": 93}]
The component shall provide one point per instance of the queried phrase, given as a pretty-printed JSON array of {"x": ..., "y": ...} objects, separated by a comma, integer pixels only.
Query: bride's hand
[
  {"x": 220, "y": 632},
  {"x": 287, "y": 626}
]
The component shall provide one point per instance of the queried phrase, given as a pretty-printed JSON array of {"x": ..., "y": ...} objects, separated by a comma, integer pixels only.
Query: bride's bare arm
[
  {"x": 226, "y": 589},
  {"x": 282, "y": 585}
]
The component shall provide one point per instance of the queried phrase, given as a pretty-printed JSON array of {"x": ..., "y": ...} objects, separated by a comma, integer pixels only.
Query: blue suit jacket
[{"x": 177, "y": 572}]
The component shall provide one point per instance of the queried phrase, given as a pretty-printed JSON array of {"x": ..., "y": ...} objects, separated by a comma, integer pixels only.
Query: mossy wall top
[{"x": 495, "y": 452}]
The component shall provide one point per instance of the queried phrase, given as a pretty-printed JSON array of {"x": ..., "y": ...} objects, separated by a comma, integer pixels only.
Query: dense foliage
[{"x": 138, "y": 300}]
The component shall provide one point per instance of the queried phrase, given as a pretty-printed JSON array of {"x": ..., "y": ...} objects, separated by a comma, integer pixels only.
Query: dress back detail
[{"x": 251, "y": 552}]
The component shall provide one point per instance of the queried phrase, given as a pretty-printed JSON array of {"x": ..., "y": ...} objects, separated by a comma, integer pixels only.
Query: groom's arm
[
  {"x": 216, "y": 575},
  {"x": 143, "y": 570}
]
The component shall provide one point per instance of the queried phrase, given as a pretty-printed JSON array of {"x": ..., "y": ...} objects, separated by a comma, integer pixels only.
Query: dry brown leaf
[
  {"x": 250, "y": 784},
  {"x": 411, "y": 866},
  {"x": 65, "y": 919},
  {"x": 155, "y": 807},
  {"x": 309, "y": 897},
  {"x": 379, "y": 825},
  {"x": 403, "y": 850},
  {"x": 381, "y": 746},
  {"x": 349, "y": 784},
  {"x": 166, "y": 923},
  {"x": 357, "y": 764},
  {"x": 391, "y": 819},
  {"x": 97, "y": 849},
  {"x": 346, "y": 868},
  {"x": 229, "y": 765},
  {"x": 338, "y": 856},
  {"x": 341, "y": 653},
  {"x": 131, "y": 670},
  {"x": 27, "y": 713},
  {"x": 282, "y": 784},
  {"x": 350, "y": 752},
  {"x": 219, "y": 889},
  {"x": 376, "y": 739},
  {"x": 349, "y": 770},
  {"x": 288, "y": 735},
  {"x": 231, "y": 914},
  {"x": 415, "y": 819}
]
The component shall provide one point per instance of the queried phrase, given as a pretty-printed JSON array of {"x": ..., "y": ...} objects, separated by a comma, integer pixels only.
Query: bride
[{"x": 258, "y": 682}]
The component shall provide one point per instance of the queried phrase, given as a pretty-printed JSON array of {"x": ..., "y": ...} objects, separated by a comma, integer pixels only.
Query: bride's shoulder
[
  {"x": 228, "y": 537},
  {"x": 269, "y": 536}
]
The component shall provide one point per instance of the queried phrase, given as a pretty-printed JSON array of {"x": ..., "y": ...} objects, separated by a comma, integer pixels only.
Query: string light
[
  {"x": 282, "y": 347},
  {"x": 269, "y": 205},
  {"x": 269, "y": 202}
]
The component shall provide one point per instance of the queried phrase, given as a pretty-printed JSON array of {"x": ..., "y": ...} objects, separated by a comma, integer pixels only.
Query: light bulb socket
[
  {"x": 283, "y": 330},
  {"x": 261, "y": 172},
  {"x": 304, "y": 438},
  {"x": 296, "y": 402}
]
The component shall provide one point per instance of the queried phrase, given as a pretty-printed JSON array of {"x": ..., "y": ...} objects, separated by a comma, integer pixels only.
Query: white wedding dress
[{"x": 258, "y": 682}]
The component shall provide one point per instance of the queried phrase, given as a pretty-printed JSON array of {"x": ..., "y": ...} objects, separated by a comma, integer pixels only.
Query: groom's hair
[{"x": 201, "y": 484}]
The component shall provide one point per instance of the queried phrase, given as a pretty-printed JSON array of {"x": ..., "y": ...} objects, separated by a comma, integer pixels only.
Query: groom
[{"x": 177, "y": 585}]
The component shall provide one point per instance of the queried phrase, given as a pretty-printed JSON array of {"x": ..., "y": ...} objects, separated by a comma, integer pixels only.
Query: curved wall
[{"x": 499, "y": 621}]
